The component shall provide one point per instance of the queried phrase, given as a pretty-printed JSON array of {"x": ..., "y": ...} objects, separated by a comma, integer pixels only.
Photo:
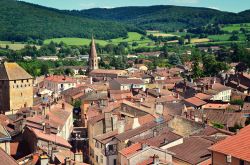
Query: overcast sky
[{"x": 225, "y": 5}]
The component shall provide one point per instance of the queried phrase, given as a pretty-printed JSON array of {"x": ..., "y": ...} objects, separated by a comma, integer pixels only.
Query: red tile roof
[
  {"x": 146, "y": 119},
  {"x": 6, "y": 159},
  {"x": 50, "y": 137},
  {"x": 146, "y": 162},
  {"x": 128, "y": 81},
  {"x": 193, "y": 150},
  {"x": 60, "y": 79},
  {"x": 203, "y": 96},
  {"x": 195, "y": 101},
  {"x": 131, "y": 149},
  {"x": 237, "y": 146},
  {"x": 215, "y": 106},
  {"x": 107, "y": 71}
]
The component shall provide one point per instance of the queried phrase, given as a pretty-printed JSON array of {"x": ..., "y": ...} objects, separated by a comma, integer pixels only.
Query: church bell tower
[{"x": 93, "y": 59}]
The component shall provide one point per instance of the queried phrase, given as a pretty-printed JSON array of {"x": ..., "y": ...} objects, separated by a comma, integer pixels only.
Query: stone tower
[
  {"x": 93, "y": 59},
  {"x": 16, "y": 88}
]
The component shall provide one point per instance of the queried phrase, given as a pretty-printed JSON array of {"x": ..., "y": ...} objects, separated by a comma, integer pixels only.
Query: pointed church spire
[{"x": 93, "y": 59}]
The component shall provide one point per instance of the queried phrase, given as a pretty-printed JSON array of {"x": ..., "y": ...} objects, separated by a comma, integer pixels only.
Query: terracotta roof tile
[
  {"x": 131, "y": 149},
  {"x": 193, "y": 150},
  {"x": 60, "y": 79},
  {"x": 195, "y": 101},
  {"x": 107, "y": 71},
  {"x": 162, "y": 139},
  {"x": 128, "y": 81},
  {"x": 6, "y": 159},
  {"x": 203, "y": 96},
  {"x": 50, "y": 137},
  {"x": 146, "y": 119},
  {"x": 237, "y": 146}
]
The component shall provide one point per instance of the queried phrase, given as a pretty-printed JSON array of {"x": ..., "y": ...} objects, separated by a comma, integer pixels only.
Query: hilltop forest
[{"x": 20, "y": 21}]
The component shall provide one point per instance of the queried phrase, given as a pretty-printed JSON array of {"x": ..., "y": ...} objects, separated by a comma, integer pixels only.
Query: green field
[
  {"x": 15, "y": 45},
  {"x": 160, "y": 34},
  {"x": 74, "y": 41},
  {"x": 132, "y": 37},
  {"x": 12, "y": 46},
  {"x": 236, "y": 27},
  {"x": 225, "y": 37}
]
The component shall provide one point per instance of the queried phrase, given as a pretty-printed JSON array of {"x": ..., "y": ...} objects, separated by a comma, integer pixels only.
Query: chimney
[
  {"x": 196, "y": 119},
  {"x": 207, "y": 87},
  {"x": 156, "y": 160},
  {"x": 191, "y": 80},
  {"x": 67, "y": 161},
  {"x": 184, "y": 110},
  {"x": 136, "y": 123},
  {"x": 43, "y": 124},
  {"x": 63, "y": 106},
  {"x": 121, "y": 126},
  {"x": 178, "y": 96},
  {"x": 155, "y": 133},
  {"x": 158, "y": 90},
  {"x": 44, "y": 160},
  {"x": 78, "y": 157},
  {"x": 203, "y": 89},
  {"x": 204, "y": 118},
  {"x": 144, "y": 146},
  {"x": 47, "y": 128},
  {"x": 238, "y": 82},
  {"x": 91, "y": 80},
  {"x": 192, "y": 115}
]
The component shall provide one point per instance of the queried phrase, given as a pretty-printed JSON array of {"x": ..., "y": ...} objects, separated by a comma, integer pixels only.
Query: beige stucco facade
[{"x": 16, "y": 94}]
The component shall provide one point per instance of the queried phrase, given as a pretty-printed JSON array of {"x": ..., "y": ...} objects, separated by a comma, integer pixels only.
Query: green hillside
[
  {"x": 20, "y": 20},
  {"x": 165, "y": 17}
]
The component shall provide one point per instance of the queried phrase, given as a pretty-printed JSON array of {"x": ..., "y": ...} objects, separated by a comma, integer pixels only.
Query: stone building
[{"x": 16, "y": 88}]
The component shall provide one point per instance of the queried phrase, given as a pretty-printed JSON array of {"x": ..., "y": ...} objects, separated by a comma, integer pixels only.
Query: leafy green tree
[
  {"x": 69, "y": 72},
  {"x": 77, "y": 104},
  {"x": 44, "y": 69},
  {"x": 181, "y": 41},
  {"x": 237, "y": 102},
  {"x": 188, "y": 37},
  {"x": 234, "y": 37},
  {"x": 134, "y": 44},
  {"x": 174, "y": 59},
  {"x": 81, "y": 72},
  {"x": 197, "y": 71}
]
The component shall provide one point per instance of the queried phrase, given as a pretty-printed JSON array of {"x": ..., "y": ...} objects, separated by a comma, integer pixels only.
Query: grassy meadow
[
  {"x": 236, "y": 27},
  {"x": 132, "y": 37}
]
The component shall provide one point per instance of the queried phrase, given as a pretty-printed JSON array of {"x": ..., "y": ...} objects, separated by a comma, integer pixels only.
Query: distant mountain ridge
[
  {"x": 166, "y": 17},
  {"x": 20, "y": 21}
]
